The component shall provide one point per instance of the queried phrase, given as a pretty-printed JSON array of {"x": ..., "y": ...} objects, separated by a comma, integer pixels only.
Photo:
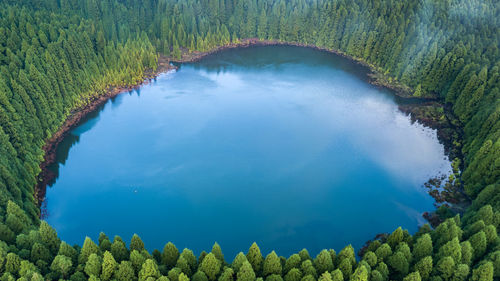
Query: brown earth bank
[{"x": 426, "y": 110}]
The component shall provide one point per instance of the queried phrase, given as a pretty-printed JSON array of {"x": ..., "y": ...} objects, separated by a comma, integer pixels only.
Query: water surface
[{"x": 285, "y": 146}]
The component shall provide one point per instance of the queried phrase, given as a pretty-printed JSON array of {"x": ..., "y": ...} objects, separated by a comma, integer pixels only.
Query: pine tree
[
  {"x": 255, "y": 257},
  {"x": 169, "y": 255},
  {"x": 210, "y": 266},
  {"x": 246, "y": 272},
  {"x": 149, "y": 269},
  {"x": 109, "y": 266}
]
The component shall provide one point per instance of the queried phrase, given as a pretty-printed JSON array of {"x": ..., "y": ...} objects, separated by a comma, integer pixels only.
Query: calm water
[{"x": 285, "y": 146}]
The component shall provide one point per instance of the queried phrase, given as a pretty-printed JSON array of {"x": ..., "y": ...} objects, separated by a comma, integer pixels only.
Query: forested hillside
[{"x": 56, "y": 55}]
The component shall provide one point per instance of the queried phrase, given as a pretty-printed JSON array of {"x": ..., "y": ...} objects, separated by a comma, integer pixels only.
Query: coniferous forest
[{"x": 58, "y": 55}]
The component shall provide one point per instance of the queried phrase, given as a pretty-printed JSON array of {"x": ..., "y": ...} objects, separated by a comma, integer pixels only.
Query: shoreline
[
  {"x": 374, "y": 77},
  {"x": 46, "y": 175}
]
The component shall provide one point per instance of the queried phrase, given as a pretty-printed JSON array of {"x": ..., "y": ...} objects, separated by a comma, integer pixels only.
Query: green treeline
[
  {"x": 458, "y": 249},
  {"x": 57, "y": 55},
  {"x": 49, "y": 65}
]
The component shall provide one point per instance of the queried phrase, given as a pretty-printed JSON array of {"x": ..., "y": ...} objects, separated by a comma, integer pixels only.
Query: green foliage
[
  {"x": 246, "y": 272},
  {"x": 136, "y": 243},
  {"x": 483, "y": 272},
  {"x": 424, "y": 267},
  {"x": 89, "y": 248},
  {"x": 272, "y": 264},
  {"x": 149, "y": 270},
  {"x": 423, "y": 247},
  {"x": 125, "y": 272},
  {"x": 227, "y": 275},
  {"x": 255, "y": 258},
  {"x": 210, "y": 266},
  {"x": 293, "y": 274},
  {"x": 169, "y": 255},
  {"x": 217, "y": 251},
  {"x": 93, "y": 265},
  {"x": 57, "y": 56},
  {"x": 109, "y": 266},
  {"x": 62, "y": 265},
  {"x": 323, "y": 262}
]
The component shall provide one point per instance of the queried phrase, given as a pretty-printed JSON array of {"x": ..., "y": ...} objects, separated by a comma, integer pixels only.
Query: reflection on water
[{"x": 285, "y": 146}]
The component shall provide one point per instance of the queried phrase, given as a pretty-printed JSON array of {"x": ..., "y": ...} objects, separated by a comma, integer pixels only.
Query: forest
[{"x": 58, "y": 55}]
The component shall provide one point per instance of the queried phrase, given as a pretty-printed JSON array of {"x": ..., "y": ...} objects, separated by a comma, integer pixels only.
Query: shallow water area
[{"x": 285, "y": 146}]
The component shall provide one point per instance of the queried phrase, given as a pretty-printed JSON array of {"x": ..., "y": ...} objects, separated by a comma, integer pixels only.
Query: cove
[{"x": 289, "y": 147}]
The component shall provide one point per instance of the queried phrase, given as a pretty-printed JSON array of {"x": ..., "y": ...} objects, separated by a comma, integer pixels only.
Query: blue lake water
[{"x": 285, "y": 146}]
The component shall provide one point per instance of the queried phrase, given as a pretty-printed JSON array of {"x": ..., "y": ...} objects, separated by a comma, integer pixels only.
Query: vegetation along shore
[{"x": 61, "y": 59}]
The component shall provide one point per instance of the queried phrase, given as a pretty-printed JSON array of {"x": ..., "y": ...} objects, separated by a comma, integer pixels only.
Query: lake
[{"x": 289, "y": 147}]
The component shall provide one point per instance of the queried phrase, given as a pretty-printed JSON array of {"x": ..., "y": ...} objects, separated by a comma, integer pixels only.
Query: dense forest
[{"x": 57, "y": 55}]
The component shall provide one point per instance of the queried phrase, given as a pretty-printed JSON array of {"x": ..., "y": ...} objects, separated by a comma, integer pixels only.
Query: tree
[
  {"x": 360, "y": 274},
  {"x": 169, "y": 255},
  {"x": 246, "y": 272},
  {"x": 12, "y": 263},
  {"x": 199, "y": 276},
  {"x": 446, "y": 266},
  {"x": 272, "y": 264},
  {"x": 376, "y": 275},
  {"x": 227, "y": 275},
  {"x": 40, "y": 252},
  {"x": 190, "y": 258},
  {"x": 424, "y": 267},
  {"x": 238, "y": 261},
  {"x": 119, "y": 250},
  {"x": 183, "y": 265},
  {"x": 216, "y": 250},
  {"x": 109, "y": 266},
  {"x": 182, "y": 277},
  {"x": 479, "y": 243},
  {"x": 418, "y": 91},
  {"x": 125, "y": 272},
  {"x": 370, "y": 258},
  {"x": 137, "y": 260},
  {"x": 399, "y": 263},
  {"x": 483, "y": 272},
  {"x": 345, "y": 267},
  {"x": 423, "y": 247},
  {"x": 62, "y": 265},
  {"x": 210, "y": 266},
  {"x": 323, "y": 262},
  {"x": 293, "y": 261},
  {"x": 308, "y": 269},
  {"x": 461, "y": 272},
  {"x": 149, "y": 269},
  {"x": 49, "y": 237},
  {"x": 68, "y": 251},
  {"x": 254, "y": 257},
  {"x": 414, "y": 276},
  {"x": 347, "y": 253},
  {"x": 93, "y": 265},
  {"x": 173, "y": 274},
  {"x": 467, "y": 252},
  {"x": 89, "y": 247},
  {"x": 304, "y": 255},
  {"x": 395, "y": 238},
  {"x": 451, "y": 249},
  {"x": 293, "y": 274},
  {"x": 136, "y": 243}
]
